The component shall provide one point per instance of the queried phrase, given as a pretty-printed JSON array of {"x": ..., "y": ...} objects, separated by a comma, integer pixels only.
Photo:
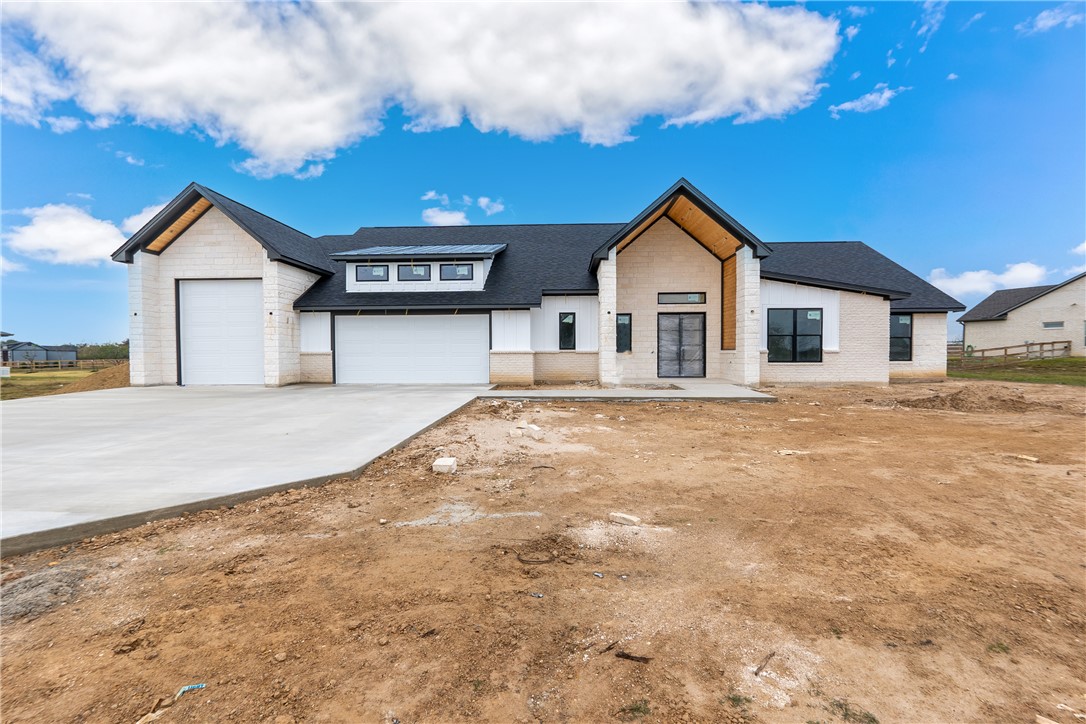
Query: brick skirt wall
[
  {"x": 316, "y": 367},
  {"x": 566, "y": 366}
]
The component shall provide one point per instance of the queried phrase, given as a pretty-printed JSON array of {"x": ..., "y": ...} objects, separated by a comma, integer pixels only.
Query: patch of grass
[
  {"x": 738, "y": 700},
  {"x": 477, "y": 684},
  {"x": 999, "y": 647},
  {"x": 1066, "y": 371},
  {"x": 636, "y": 710},
  {"x": 33, "y": 384},
  {"x": 835, "y": 631},
  {"x": 851, "y": 713}
]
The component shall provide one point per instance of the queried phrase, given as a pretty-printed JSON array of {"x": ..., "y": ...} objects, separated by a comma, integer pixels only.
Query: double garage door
[{"x": 434, "y": 349}]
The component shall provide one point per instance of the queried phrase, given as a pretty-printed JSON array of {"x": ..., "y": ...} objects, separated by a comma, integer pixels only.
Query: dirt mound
[
  {"x": 33, "y": 595},
  {"x": 108, "y": 379},
  {"x": 977, "y": 399}
]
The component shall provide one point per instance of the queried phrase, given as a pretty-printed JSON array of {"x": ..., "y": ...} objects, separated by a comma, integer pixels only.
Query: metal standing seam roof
[{"x": 443, "y": 250}]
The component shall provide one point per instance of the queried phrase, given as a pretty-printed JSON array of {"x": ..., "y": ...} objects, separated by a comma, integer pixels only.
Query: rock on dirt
[
  {"x": 37, "y": 593},
  {"x": 624, "y": 519},
  {"x": 445, "y": 465}
]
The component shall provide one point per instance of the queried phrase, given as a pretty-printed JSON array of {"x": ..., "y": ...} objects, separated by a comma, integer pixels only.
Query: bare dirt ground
[{"x": 887, "y": 546}]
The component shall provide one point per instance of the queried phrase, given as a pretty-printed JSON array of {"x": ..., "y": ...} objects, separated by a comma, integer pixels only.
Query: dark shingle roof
[
  {"x": 997, "y": 304},
  {"x": 538, "y": 258},
  {"x": 282, "y": 242},
  {"x": 855, "y": 265}
]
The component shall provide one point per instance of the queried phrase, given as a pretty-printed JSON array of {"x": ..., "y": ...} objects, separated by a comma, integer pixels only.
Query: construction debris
[
  {"x": 624, "y": 519},
  {"x": 445, "y": 465}
]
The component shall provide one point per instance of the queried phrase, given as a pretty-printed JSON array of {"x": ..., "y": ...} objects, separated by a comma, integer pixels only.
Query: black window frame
[
  {"x": 660, "y": 297},
  {"x": 454, "y": 278},
  {"x": 410, "y": 277},
  {"x": 370, "y": 266},
  {"x": 1046, "y": 325},
  {"x": 794, "y": 335},
  {"x": 893, "y": 336},
  {"x": 619, "y": 346},
  {"x": 573, "y": 324}
]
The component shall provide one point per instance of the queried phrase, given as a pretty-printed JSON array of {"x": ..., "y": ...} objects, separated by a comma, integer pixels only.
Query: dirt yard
[{"x": 912, "y": 553}]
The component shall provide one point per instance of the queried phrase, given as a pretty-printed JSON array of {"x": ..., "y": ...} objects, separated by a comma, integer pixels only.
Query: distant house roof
[
  {"x": 60, "y": 347},
  {"x": 282, "y": 242},
  {"x": 436, "y": 251},
  {"x": 855, "y": 266},
  {"x": 998, "y": 304},
  {"x": 6, "y": 334},
  {"x": 538, "y": 258}
]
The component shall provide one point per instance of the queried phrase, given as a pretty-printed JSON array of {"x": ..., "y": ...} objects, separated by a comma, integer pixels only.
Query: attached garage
[
  {"x": 434, "y": 349},
  {"x": 221, "y": 331}
]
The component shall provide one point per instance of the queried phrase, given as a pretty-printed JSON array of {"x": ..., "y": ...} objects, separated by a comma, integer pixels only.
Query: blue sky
[{"x": 951, "y": 137}]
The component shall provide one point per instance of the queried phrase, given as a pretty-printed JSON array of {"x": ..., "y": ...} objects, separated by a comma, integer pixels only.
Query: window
[
  {"x": 371, "y": 273},
  {"x": 1052, "y": 325},
  {"x": 457, "y": 272},
  {"x": 901, "y": 337},
  {"x": 795, "y": 335},
  {"x": 567, "y": 330},
  {"x": 413, "y": 273},
  {"x": 680, "y": 298},
  {"x": 624, "y": 333}
]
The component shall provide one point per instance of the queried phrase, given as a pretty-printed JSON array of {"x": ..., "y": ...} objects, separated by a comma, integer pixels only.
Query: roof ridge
[{"x": 483, "y": 226}]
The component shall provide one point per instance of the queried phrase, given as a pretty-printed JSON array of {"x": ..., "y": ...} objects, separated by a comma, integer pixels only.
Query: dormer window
[
  {"x": 457, "y": 272},
  {"x": 371, "y": 273},
  {"x": 413, "y": 272}
]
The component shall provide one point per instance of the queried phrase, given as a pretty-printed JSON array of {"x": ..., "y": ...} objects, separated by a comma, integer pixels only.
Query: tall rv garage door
[
  {"x": 221, "y": 331},
  {"x": 434, "y": 349}
]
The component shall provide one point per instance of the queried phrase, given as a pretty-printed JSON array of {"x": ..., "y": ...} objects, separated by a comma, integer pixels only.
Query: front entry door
[{"x": 680, "y": 345}]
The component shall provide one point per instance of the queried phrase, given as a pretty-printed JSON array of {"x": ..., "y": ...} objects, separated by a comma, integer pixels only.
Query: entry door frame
[{"x": 704, "y": 361}]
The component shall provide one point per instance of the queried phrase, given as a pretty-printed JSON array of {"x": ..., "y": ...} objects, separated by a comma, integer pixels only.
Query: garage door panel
[
  {"x": 222, "y": 332},
  {"x": 431, "y": 349}
]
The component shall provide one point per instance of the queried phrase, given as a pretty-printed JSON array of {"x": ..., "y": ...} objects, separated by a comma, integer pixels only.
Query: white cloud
[
  {"x": 136, "y": 221},
  {"x": 852, "y": 31},
  {"x": 432, "y": 195},
  {"x": 129, "y": 158},
  {"x": 873, "y": 101},
  {"x": 63, "y": 234},
  {"x": 7, "y": 266},
  {"x": 854, "y": 76},
  {"x": 890, "y": 60},
  {"x": 1068, "y": 15},
  {"x": 244, "y": 70},
  {"x": 444, "y": 217},
  {"x": 1078, "y": 268},
  {"x": 1022, "y": 274},
  {"x": 931, "y": 17},
  {"x": 62, "y": 124},
  {"x": 1080, "y": 249},
  {"x": 952, "y": 76},
  {"x": 466, "y": 200},
  {"x": 970, "y": 21},
  {"x": 856, "y": 11},
  {"x": 81, "y": 195},
  {"x": 490, "y": 206}
]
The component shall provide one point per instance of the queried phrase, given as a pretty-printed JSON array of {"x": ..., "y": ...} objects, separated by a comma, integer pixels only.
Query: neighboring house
[
  {"x": 1011, "y": 317},
  {"x": 222, "y": 294},
  {"x": 28, "y": 351}
]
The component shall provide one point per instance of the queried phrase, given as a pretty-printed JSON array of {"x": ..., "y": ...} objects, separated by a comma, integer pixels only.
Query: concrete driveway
[{"x": 103, "y": 460}]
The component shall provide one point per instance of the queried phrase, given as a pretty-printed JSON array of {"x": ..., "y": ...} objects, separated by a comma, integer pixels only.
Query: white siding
[
  {"x": 316, "y": 332},
  {"x": 481, "y": 270},
  {"x": 511, "y": 330},
  {"x": 781, "y": 295},
  {"x": 545, "y": 323}
]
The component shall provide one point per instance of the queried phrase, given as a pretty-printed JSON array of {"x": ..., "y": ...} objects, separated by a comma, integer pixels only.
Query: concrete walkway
[
  {"x": 693, "y": 390},
  {"x": 80, "y": 464},
  {"x": 93, "y": 462}
]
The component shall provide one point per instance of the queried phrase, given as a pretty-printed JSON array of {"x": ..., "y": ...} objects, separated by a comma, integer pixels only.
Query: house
[
  {"x": 28, "y": 351},
  {"x": 222, "y": 294},
  {"x": 1010, "y": 317}
]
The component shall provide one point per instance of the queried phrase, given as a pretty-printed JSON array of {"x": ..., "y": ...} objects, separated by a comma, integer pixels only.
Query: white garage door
[
  {"x": 222, "y": 332},
  {"x": 446, "y": 348}
]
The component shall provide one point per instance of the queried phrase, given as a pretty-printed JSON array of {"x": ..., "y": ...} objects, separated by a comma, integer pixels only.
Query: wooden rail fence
[
  {"x": 63, "y": 364},
  {"x": 999, "y": 356}
]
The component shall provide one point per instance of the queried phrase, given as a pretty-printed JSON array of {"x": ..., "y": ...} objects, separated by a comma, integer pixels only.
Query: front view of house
[{"x": 222, "y": 294}]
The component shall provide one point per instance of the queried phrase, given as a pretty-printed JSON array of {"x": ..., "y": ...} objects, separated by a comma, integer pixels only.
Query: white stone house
[
  {"x": 222, "y": 294},
  {"x": 1010, "y": 317}
]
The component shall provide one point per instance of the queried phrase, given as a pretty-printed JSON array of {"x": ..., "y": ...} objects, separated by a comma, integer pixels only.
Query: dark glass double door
[{"x": 680, "y": 345}]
